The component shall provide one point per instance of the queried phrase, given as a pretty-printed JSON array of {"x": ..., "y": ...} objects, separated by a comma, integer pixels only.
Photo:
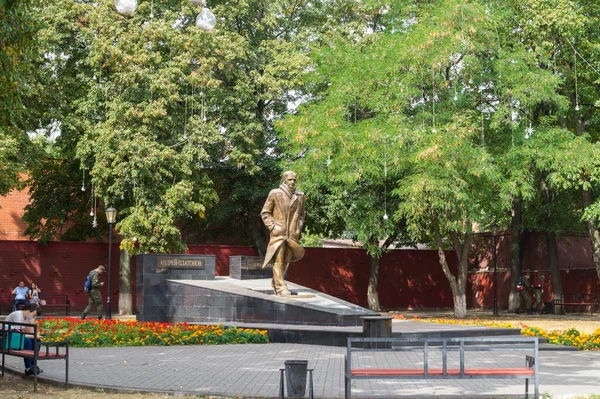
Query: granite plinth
[
  {"x": 249, "y": 267},
  {"x": 377, "y": 327},
  {"x": 153, "y": 272},
  {"x": 225, "y": 300}
]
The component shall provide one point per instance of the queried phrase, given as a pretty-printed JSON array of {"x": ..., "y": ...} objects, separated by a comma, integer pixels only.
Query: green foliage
[
  {"x": 17, "y": 48},
  {"x": 347, "y": 138},
  {"x": 166, "y": 120},
  {"x": 310, "y": 240},
  {"x": 466, "y": 107},
  {"x": 18, "y": 26}
]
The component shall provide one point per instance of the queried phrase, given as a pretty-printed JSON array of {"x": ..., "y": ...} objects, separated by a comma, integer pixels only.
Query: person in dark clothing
[
  {"x": 524, "y": 289},
  {"x": 538, "y": 290},
  {"x": 94, "y": 295}
]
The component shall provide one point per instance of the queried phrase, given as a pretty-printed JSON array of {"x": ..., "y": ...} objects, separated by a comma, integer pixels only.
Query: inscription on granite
[
  {"x": 249, "y": 267},
  {"x": 255, "y": 263},
  {"x": 163, "y": 264}
]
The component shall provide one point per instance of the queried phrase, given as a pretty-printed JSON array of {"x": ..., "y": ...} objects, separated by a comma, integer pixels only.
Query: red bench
[
  {"x": 372, "y": 353},
  {"x": 11, "y": 344}
]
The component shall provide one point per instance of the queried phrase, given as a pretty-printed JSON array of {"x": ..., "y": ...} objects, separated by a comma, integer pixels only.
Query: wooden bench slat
[
  {"x": 499, "y": 371},
  {"x": 29, "y": 354},
  {"x": 386, "y": 372},
  {"x": 439, "y": 372}
]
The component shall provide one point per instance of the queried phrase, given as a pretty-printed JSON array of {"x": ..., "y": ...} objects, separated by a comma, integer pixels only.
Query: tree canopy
[
  {"x": 467, "y": 109},
  {"x": 166, "y": 120}
]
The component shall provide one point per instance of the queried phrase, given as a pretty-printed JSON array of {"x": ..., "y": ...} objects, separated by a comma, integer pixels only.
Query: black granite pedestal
[
  {"x": 183, "y": 288},
  {"x": 156, "y": 298},
  {"x": 226, "y": 300}
]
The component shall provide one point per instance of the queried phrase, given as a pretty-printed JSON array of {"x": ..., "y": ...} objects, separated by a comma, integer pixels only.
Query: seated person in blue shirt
[{"x": 21, "y": 294}]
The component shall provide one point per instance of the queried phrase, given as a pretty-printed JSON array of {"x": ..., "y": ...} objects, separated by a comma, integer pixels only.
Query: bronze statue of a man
[{"x": 283, "y": 214}]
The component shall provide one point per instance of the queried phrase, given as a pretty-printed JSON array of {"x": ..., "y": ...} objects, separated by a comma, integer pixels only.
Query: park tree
[
  {"x": 345, "y": 140},
  {"x": 165, "y": 120},
  {"x": 458, "y": 96},
  {"x": 17, "y": 48},
  {"x": 560, "y": 33}
]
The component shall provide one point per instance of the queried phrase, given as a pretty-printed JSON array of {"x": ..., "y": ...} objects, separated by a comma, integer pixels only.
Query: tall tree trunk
[
  {"x": 372, "y": 290},
  {"x": 125, "y": 293},
  {"x": 254, "y": 225},
  {"x": 514, "y": 300},
  {"x": 458, "y": 285},
  {"x": 554, "y": 269},
  {"x": 372, "y": 293},
  {"x": 551, "y": 246}
]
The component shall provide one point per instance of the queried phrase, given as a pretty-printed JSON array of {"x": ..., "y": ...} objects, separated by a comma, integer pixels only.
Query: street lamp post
[
  {"x": 495, "y": 229},
  {"x": 111, "y": 217}
]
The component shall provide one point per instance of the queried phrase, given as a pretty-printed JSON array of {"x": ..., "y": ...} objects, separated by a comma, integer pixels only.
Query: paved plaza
[{"x": 252, "y": 370}]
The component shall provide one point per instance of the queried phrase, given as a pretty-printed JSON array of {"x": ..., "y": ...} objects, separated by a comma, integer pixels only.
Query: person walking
[
  {"x": 94, "y": 295},
  {"x": 27, "y": 315},
  {"x": 524, "y": 288},
  {"x": 538, "y": 290}
]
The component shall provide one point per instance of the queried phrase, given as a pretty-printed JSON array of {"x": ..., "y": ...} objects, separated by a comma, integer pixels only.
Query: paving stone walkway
[{"x": 252, "y": 370}]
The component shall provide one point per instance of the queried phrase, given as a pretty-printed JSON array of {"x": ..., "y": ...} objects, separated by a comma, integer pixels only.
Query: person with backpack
[
  {"x": 524, "y": 289},
  {"x": 92, "y": 286}
]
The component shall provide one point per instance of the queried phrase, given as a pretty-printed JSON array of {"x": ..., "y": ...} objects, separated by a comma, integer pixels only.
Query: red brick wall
[
  {"x": 56, "y": 267},
  {"x": 574, "y": 258},
  {"x": 407, "y": 278},
  {"x": 12, "y": 208}
]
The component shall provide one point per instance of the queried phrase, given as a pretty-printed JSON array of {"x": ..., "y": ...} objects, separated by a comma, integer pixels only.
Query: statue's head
[{"x": 289, "y": 179}]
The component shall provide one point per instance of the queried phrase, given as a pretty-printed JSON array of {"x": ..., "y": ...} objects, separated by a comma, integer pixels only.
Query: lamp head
[
  {"x": 495, "y": 229},
  {"x": 111, "y": 215}
]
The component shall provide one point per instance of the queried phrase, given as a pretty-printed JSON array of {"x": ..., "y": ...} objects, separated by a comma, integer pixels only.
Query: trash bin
[{"x": 295, "y": 374}]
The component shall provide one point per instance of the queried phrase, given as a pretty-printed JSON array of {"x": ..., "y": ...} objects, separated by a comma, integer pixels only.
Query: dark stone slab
[
  {"x": 156, "y": 299},
  {"x": 249, "y": 267},
  {"x": 232, "y": 300},
  {"x": 338, "y": 336}
]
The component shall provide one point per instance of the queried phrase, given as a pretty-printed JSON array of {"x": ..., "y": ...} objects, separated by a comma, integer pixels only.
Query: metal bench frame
[
  {"x": 593, "y": 301},
  {"x": 445, "y": 345},
  {"x": 48, "y": 296},
  {"x": 48, "y": 350}
]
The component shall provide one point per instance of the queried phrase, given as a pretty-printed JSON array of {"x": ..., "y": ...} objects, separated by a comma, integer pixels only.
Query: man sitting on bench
[
  {"x": 27, "y": 315},
  {"x": 21, "y": 294}
]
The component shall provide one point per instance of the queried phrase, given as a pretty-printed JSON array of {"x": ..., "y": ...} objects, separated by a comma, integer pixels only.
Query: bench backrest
[
  {"x": 445, "y": 345},
  {"x": 589, "y": 298},
  {"x": 12, "y": 335},
  {"x": 54, "y": 298}
]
